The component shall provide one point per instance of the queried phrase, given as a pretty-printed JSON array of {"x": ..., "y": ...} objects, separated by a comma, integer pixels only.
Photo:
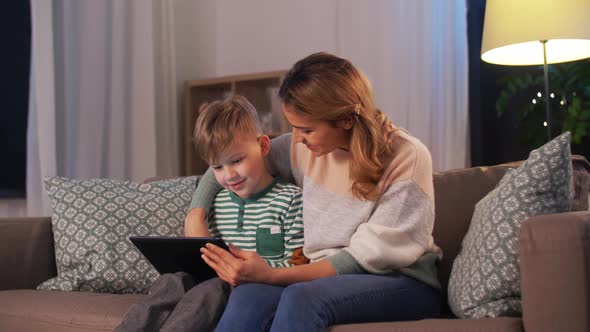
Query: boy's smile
[
  {"x": 237, "y": 185},
  {"x": 240, "y": 167}
]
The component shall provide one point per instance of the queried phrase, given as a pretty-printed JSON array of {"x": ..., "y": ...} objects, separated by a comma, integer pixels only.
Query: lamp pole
[{"x": 546, "y": 74}]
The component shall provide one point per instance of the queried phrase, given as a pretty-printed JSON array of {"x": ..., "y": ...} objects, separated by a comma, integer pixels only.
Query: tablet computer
[{"x": 174, "y": 254}]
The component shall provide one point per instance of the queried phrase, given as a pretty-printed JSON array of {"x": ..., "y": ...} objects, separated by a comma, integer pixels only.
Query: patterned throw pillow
[
  {"x": 92, "y": 221},
  {"x": 485, "y": 279}
]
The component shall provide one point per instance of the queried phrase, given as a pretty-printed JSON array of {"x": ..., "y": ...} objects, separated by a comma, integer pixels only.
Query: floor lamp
[{"x": 535, "y": 32}]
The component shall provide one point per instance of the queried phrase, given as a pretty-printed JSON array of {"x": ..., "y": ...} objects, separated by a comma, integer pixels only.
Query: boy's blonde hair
[{"x": 219, "y": 122}]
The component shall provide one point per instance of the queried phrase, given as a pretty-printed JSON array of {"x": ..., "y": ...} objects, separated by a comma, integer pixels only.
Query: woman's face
[{"x": 319, "y": 136}]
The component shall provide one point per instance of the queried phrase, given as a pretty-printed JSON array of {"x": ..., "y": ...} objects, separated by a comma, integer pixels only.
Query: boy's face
[{"x": 240, "y": 168}]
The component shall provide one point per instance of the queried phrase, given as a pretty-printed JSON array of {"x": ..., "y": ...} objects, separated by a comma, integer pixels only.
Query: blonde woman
[{"x": 368, "y": 213}]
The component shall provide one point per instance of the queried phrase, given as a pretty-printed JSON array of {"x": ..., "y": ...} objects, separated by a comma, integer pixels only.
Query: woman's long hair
[{"x": 326, "y": 87}]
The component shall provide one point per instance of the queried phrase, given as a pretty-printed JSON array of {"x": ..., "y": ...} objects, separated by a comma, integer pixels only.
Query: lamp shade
[{"x": 513, "y": 30}]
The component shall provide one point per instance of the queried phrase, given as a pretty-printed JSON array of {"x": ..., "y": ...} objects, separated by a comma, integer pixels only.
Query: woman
[{"x": 368, "y": 214}]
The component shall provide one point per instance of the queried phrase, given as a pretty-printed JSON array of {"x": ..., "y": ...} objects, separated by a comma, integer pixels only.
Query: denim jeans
[{"x": 316, "y": 305}]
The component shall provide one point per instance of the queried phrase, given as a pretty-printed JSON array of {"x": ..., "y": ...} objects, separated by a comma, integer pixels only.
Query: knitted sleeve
[
  {"x": 396, "y": 235},
  {"x": 398, "y": 231}
]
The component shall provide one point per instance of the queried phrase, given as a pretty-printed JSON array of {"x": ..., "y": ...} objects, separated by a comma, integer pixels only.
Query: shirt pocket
[{"x": 270, "y": 241}]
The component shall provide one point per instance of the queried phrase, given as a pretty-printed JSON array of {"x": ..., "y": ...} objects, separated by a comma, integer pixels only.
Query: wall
[
  {"x": 391, "y": 41},
  {"x": 12, "y": 208},
  {"x": 414, "y": 53},
  {"x": 195, "y": 35},
  {"x": 265, "y": 35}
]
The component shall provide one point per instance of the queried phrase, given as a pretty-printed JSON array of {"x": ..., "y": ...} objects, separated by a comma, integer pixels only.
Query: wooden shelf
[{"x": 261, "y": 89}]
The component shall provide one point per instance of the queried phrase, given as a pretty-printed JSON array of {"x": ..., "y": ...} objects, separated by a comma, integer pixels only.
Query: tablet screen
[{"x": 174, "y": 254}]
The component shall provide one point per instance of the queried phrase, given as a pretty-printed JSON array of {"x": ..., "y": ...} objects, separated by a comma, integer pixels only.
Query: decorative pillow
[
  {"x": 485, "y": 279},
  {"x": 92, "y": 221}
]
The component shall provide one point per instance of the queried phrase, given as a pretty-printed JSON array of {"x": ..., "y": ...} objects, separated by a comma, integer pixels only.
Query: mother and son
[{"x": 366, "y": 205}]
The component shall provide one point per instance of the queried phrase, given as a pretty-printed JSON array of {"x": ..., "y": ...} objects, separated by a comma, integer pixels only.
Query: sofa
[{"x": 554, "y": 253}]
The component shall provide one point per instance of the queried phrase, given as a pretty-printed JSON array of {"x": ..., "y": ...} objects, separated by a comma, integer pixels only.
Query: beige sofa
[{"x": 554, "y": 255}]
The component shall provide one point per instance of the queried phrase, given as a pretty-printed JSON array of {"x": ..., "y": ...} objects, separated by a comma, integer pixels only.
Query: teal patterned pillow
[
  {"x": 92, "y": 221},
  {"x": 485, "y": 279}
]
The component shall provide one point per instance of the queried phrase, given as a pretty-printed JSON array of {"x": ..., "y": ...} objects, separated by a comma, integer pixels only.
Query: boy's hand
[
  {"x": 237, "y": 266},
  {"x": 195, "y": 224}
]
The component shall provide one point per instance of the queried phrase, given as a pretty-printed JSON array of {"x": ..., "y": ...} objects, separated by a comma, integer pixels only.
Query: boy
[{"x": 254, "y": 212}]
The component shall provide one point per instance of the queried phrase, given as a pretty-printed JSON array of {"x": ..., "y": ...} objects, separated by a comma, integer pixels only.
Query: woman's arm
[
  {"x": 240, "y": 266},
  {"x": 278, "y": 161},
  {"x": 306, "y": 272},
  {"x": 396, "y": 235},
  {"x": 195, "y": 224},
  {"x": 205, "y": 193}
]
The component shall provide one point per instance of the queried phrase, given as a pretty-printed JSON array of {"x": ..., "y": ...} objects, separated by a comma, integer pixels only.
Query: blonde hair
[
  {"x": 219, "y": 122},
  {"x": 326, "y": 87}
]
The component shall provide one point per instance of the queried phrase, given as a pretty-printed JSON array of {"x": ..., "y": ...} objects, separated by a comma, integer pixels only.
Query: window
[{"x": 14, "y": 86}]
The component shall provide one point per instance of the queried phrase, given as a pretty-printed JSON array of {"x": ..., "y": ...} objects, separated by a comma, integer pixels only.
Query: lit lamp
[{"x": 534, "y": 32}]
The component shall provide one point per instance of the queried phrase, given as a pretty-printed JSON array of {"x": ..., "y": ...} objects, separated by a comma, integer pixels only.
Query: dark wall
[
  {"x": 15, "y": 24},
  {"x": 494, "y": 139},
  {"x": 498, "y": 139}
]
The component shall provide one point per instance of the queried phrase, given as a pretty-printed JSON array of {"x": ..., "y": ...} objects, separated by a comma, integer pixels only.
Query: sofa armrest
[
  {"x": 26, "y": 252},
  {"x": 555, "y": 272}
]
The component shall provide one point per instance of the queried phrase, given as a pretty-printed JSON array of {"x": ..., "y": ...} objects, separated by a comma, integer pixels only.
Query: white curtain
[
  {"x": 94, "y": 93},
  {"x": 105, "y": 96},
  {"x": 415, "y": 54},
  {"x": 41, "y": 148}
]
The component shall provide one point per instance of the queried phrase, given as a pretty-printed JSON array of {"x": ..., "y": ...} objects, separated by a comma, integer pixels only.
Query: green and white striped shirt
[{"x": 269, "y": 222}]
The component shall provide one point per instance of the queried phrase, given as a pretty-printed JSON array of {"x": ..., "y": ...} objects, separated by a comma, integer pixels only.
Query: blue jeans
[{"x": 316, "y": 305}]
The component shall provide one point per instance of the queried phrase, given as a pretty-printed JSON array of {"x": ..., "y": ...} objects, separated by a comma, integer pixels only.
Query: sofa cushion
[
  {"x": 504, "y": 324},
  {"x": 30, "y": 310},
  {"x": 485, "y": 277},
  {"x": 92, "y": 221},
  {"x": 457, "y": 191}
]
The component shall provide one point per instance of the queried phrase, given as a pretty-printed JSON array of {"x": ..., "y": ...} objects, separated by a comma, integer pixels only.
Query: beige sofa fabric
[
  {"x": 555, "y": 272},
  {"x": 26, "y": 252},
  {"x": 29, "y": 310},
  {"x": 26, "y": 259},
  {"x": 504, "y": 324}
]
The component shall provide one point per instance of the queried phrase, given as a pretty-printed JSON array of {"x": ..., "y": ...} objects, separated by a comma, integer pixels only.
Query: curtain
[
  {"x": 41, "y": 158},
  {"x": 106, "y": 104},
  {"x": 93, "y": 94},
  {"x": 415, "y": 54}
]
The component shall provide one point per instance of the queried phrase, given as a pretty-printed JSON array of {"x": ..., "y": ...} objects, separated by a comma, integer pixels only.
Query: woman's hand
[{"x": 237, "y": 266}]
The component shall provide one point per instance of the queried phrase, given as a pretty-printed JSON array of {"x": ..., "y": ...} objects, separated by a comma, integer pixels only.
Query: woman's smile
[{"x": 312, "y": 147}]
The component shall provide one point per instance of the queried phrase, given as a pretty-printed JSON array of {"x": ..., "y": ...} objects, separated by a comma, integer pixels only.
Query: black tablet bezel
[{"x": 176, "y": 254}]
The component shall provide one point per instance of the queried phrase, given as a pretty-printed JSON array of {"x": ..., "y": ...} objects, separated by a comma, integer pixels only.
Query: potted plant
[{"x": 522, "y": 92}]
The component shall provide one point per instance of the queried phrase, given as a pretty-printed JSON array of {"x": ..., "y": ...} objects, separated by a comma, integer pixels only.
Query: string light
[
  {"x": 545, "y": 124},
  {"x": 539, "y": 94},
  {"x": 534, "y": 101}
]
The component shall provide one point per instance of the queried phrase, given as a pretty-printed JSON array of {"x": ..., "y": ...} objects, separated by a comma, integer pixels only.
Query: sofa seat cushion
[
  {"x": 503, "y": 324},
  {"x": 35, "y": 310}
]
